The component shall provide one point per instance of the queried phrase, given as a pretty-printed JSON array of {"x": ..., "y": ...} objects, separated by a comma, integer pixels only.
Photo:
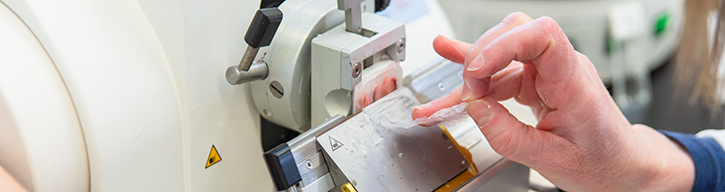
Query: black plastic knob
[
  {"x": 380, "y": 5},
  {"x": 263, "y": 26},
  {"x": 282, "y": 167}
]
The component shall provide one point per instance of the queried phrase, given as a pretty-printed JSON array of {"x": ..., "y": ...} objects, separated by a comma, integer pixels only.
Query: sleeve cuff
[
  {"x": 709, "y": 159},
  {"x": 717, "y": 135}
]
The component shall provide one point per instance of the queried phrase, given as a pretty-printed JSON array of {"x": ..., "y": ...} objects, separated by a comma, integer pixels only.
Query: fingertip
[
  {"x": 450, "y": 49},
  {"x": 518, "y": 18},
  {"x": 417, "y": 112},
  {"x": 439, "y": 40}
]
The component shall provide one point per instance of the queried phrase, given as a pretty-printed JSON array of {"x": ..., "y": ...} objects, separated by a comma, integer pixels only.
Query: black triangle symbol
[{"x": 335, "y": 144}]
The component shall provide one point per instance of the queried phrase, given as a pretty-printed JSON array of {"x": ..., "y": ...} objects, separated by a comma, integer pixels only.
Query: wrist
[{"x": 667, "y": 162}]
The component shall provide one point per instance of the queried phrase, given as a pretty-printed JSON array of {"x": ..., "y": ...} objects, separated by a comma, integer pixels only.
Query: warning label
[
  {"x": 335, "y": 144},
  {"x": 213, "y": 157}
]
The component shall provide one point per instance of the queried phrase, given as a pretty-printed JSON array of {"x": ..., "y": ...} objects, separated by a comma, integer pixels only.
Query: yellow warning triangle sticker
[{"x": 213, "y": 157}]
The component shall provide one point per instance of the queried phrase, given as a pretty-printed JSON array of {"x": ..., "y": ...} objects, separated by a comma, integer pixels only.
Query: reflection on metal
[
  {"x": 315, "y": 177},
  {"x": 383, "y": 151},
  {"x": 248, "y": 58},
  {"x": 257, "y": 71},
  {"x": 435, "y": 80}
]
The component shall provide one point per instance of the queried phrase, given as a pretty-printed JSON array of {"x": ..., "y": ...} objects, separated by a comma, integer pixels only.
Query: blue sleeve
[{"x": 709, "y": 159}]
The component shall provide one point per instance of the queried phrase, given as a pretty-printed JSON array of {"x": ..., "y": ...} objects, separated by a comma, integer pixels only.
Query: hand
[{"x": 582, "y": 141}]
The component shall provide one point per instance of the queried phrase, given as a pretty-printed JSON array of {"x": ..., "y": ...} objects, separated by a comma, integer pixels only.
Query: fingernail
[
  {"x": 476, "y": 64},
  {"x": 466, "y": 93},
  {"x": 480, "y": 111},
  {"x": 421, "y": 107},
  {"x": 417, "y": 110}
]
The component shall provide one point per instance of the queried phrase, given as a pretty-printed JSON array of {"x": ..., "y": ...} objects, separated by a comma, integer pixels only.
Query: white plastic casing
[{"x": 41, "y": 142}]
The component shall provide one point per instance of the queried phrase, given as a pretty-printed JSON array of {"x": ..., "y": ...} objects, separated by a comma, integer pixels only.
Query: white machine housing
[
  {"x": 290, "y": 67},
  {"x": 130, "y": 95},
  {"x": 339, "y": 55}
]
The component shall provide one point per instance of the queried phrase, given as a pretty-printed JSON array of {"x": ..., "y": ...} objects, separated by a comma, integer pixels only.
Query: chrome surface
[
  {"x": 257, "y": 71},
  {"x": 248, "y": 58},
  {"x": 309, "y": 159}
]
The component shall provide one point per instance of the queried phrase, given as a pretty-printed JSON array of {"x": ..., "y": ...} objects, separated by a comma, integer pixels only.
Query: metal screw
[
  {"x": 276, "y": 88},
  {"x": 401, "y": 45},
  {"x": 356, "y": 70},
  {"x": 308, "y": 164}
]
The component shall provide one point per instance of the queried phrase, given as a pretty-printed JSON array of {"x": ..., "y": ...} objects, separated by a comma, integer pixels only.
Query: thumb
[{"x": 508, "y": 136}]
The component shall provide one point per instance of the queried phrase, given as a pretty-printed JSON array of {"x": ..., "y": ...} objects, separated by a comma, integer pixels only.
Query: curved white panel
[
  {"x": 41, "y": 142},
  {"x": 122, "y": 87}
]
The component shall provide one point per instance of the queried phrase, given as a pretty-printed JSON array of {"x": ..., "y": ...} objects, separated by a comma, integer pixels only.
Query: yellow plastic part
[
  {"x": 347, "y": 187},
  {"x": 463, "y": 177}
]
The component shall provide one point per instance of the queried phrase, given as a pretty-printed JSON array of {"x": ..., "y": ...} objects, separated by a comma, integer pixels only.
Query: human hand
[{"x": 582, "y": 141}]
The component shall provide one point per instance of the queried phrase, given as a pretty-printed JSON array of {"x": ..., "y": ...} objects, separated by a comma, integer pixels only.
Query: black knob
[
  {"x": 263, "y": 26},
  {"x": 282, "y": 167},
  {"x": 380, "y": 5}
]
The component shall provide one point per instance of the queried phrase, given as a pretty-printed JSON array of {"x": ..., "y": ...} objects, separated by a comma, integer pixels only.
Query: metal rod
[
  {"x": 353, "y": 19},
  {"x": 256, "y": 71},
  {"x": 248, "y": 58}
]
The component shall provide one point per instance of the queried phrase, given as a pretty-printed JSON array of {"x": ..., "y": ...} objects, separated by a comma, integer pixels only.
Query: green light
[{"x": 663, "y": 21}]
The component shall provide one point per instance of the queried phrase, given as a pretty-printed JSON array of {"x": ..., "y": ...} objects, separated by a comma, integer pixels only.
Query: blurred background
[{"x": 634, "y": 45}]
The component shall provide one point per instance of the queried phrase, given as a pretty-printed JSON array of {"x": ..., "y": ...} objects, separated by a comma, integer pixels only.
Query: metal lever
[
  {"x": 259, "y": 34},
  {"x": 353, "y": 15}
]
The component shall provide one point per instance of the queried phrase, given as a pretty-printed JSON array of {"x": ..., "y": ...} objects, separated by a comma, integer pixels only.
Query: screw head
[
  {"x": 356, "y": 70},
  {"x": 401, "y": 45},
  {"x": 308, "y": 164},
  {"x": 276, "y": 89}
]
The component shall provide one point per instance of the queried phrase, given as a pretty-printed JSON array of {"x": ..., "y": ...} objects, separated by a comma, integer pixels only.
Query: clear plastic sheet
[{"x": 446, "y": 117}]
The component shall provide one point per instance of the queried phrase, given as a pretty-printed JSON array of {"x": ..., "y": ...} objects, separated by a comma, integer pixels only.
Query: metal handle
[
  {"x": 259, "y": 34},
  {"x": 257, "y": 71}
]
